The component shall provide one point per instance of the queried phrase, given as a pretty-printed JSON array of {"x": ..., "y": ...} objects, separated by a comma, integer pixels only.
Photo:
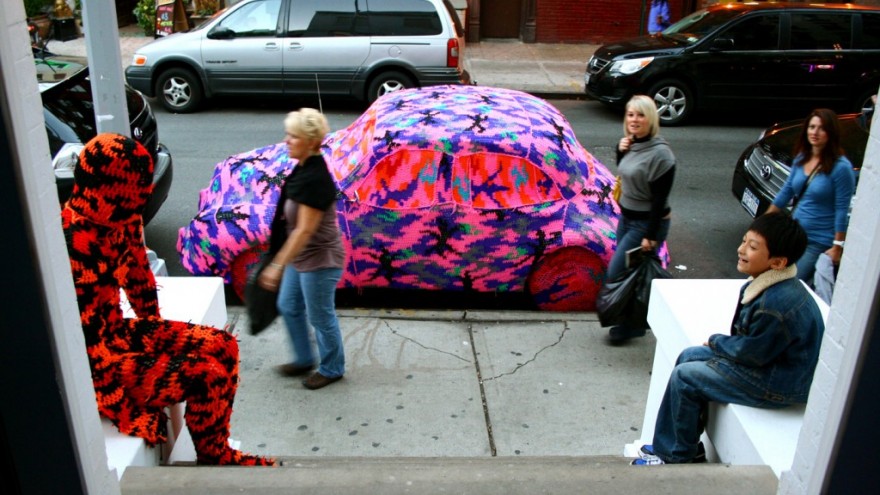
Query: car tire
[
  {"x": 179, "y": 90},
  {"x": 388, "y": 82},
  {"x": 567, "y": 279},
  {"x": 242, "y": 265},
  {"x": 674, "y": 100},
  {"x": 863, "y": 101}
]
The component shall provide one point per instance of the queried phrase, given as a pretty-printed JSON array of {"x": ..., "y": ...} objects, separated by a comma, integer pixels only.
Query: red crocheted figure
[{"x": 141, "y": 365}]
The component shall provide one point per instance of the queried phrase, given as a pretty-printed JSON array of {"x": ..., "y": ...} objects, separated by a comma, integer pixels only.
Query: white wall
[
  {"x": 847, "y": 323},
  {"x": 31, "y": 147}
]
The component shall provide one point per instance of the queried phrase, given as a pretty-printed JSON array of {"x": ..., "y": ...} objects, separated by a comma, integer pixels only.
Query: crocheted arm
[{"x": 137, "y": 278}]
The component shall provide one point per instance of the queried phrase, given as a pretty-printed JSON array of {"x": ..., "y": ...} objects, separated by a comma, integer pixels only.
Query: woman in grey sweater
[{"x": 646, "y": 167}]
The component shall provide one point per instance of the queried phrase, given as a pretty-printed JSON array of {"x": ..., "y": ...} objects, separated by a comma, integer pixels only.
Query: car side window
[
  {"x": 821, "y": 31},
  {"x": 503, "y": 181},
  {"x": 403, "y": 18},
  {"x": 256, "y": 19},
  {"x": 325, "y": 18},
  {"x": 870, "y": 31},
  {"x": 754, "y": 33}
]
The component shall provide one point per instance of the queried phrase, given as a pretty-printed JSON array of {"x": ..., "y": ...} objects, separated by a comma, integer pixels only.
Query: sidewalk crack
[
  {"x": 423, "y": 346},
  {"x": 533, "y": 358}
]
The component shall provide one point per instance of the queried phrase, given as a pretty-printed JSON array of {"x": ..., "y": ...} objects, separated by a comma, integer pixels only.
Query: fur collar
[{"x": 760, "y": 283}]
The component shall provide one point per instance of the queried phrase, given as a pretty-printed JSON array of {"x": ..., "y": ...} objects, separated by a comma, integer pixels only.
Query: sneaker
[
  {"x": 652, "y": 460},
  {"x": 647, "y": 451}
]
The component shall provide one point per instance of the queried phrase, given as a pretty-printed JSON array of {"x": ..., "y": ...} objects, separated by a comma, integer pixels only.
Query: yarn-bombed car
[{"x": 452, "y": 188}]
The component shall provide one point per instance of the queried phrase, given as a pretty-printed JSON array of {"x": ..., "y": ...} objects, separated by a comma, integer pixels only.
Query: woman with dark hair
[{"x": 819, "y": 189}]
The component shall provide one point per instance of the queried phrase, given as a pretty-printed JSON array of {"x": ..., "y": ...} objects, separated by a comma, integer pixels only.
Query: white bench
[
  {"x": 198, "y": 300},
  {"x": 684, "y": 313}
]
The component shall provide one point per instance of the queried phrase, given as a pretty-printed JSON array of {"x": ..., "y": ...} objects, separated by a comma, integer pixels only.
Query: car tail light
[{"x": 452, "y": 52}]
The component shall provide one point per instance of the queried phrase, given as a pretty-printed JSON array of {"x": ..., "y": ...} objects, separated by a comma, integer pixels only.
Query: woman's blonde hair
[
  {"x": 307, "y": 123},
  {"x": 645, "y": 106}
]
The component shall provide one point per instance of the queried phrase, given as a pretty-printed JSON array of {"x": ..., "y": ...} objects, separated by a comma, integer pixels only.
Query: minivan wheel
[
  {"x": 179, "y": 90},
  {"x": 388, "y": 82},
  {"x": 674, "y": 101}
]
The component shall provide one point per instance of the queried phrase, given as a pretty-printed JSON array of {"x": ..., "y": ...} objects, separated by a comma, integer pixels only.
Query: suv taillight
[{"x": 452, "y": 52}]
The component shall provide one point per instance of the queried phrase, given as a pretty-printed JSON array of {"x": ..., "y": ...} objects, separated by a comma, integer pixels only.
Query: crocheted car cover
[{"x": 444, "y": 188}]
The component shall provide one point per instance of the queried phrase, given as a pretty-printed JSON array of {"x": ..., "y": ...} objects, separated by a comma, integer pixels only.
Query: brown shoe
[
  {"x": 318, "y": 380},
  {"x": 291, "y": 369}
]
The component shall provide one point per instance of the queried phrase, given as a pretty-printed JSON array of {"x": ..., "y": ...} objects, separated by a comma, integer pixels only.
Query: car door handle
[
  {"x": 272, "y": 46},
  {"x": 295, "y": 46}
]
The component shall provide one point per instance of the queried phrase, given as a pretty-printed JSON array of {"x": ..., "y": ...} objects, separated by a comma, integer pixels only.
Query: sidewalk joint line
[{"x": 493, "y": 451}]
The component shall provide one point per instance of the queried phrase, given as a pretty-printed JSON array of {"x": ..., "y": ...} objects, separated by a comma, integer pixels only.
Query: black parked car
[
  {"x": 70, "y": 123},
  {"x": 764, "y": 165},
  {"x": 746, "y": 55}
]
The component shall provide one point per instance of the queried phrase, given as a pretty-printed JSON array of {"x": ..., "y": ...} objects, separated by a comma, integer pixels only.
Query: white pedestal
[
  {"x": 684, "y": 313},
  {"x": 199, "y": 300}
]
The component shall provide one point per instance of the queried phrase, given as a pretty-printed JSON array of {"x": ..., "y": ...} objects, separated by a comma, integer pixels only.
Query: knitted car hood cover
[{"x": 113, "y": 180}]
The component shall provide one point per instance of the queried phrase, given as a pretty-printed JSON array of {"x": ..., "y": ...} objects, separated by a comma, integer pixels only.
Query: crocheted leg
[{"x": 199, "y": 365}]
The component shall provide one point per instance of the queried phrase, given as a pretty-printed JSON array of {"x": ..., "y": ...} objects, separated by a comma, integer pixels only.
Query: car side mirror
[
  {"x": 721, "y": 44},
  {"x": 221, "y": 33}
]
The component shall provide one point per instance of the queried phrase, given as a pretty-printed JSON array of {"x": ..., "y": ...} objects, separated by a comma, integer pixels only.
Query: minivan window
[
  {"x": 698, "y": 25},
  {"x": 821, "y": 31},
  {"x": 256, "y": 19},
  {"x": 403, "y": 18},
  {"x": 322, "y": 19},
  {"x": 870, "y": 31},
  {"x": 754, "y": 33}
]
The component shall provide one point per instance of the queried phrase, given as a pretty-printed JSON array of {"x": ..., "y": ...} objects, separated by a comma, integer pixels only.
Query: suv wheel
[
  {"x": 179, "y": 90},
  {"x": 864, "y": 101},
  {"x": 387, "y": 82},
  {"x": 674, "y": 101}
]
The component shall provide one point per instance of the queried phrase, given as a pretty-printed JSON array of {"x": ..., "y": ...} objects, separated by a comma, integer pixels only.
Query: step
[{"x": 426, "y": 475}]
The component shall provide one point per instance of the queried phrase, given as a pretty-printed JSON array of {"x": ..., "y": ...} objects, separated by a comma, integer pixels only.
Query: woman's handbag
[
  {"x": 624, "y": 300},
  {"x": 615, "y": 191},
  {"x": 261, "y": 304}
]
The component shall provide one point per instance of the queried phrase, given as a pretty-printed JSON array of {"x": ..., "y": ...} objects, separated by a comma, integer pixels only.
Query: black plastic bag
[
  {"x": 261, "y": 304},
  {"x": 624, "y": 300}
]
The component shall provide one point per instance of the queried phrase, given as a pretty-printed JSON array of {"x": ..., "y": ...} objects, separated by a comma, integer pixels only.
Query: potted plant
[
  {"x": 203, "y": 10},
  {"x": 145, "y": 13}
]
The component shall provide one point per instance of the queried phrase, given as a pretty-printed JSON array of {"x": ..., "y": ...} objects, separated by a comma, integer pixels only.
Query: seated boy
[{"x": 767, "y": 360}]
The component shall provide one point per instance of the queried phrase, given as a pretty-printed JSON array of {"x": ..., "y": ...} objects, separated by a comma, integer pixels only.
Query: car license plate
[{"x": 750, "y": 201}]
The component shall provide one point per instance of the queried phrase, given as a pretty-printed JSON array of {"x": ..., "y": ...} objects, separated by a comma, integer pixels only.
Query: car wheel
[
  {"x": 864, "y": 101},
  {"x": 388, "y": 82},
  {"x": 674, "y": 101},
  {"x": 567, "y": 279},
  {"x": 242, "y": 265},
  {"x": 179, "y": 90}
]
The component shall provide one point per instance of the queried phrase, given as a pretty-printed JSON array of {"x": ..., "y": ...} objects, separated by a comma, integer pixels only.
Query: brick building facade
[{"x": 571, "y": 21}]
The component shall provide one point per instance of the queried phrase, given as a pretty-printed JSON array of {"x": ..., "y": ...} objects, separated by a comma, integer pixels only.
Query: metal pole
[{"x": 105, "y": 66}]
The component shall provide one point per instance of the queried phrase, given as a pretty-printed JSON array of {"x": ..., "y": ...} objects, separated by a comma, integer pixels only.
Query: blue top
[
  {"x": 658, "y": 16},
  {"x": 824, "y": 207}
]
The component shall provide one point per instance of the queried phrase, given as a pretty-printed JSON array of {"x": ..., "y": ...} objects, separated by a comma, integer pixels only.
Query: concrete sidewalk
[
  {"x": 544, "y": 69},
  {"x": 470, "y": 402}
]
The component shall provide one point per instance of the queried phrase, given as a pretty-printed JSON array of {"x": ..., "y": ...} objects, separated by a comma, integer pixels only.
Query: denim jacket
[{"x": 775, "y": 339}]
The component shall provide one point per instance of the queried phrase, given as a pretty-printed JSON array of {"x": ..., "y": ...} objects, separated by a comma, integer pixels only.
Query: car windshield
[{"x": 698, "y": 25}]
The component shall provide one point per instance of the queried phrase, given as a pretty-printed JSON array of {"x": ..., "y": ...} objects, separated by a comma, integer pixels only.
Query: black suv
[
  {"x": 70, "y": 123},
  {"x": 739, "y": 55}
]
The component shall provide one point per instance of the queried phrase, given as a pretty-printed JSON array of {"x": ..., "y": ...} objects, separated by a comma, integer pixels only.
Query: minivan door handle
[
  {"x": 272, "y": 46},
  {"x": 295, "y": 45}
]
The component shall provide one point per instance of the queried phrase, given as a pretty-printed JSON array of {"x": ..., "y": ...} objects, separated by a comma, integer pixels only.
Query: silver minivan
[{"x": 357, "y": 48}]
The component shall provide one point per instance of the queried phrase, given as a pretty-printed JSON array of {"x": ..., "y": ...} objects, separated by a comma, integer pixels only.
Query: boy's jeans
[
  {"x": 312, "y": 295},
  {"x": 682, "y": 415}
]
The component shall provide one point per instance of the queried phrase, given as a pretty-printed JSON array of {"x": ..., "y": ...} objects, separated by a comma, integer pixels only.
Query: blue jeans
[
  {"x": 682, "y": 414},
  {"x": 629, "y": 235},
  {"x": 806, "y": 265},
  {"x": 312, "y": 295}
]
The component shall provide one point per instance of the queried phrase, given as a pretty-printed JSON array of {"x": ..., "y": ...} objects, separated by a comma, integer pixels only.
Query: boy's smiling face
[{"x": 754, "y": 256}]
